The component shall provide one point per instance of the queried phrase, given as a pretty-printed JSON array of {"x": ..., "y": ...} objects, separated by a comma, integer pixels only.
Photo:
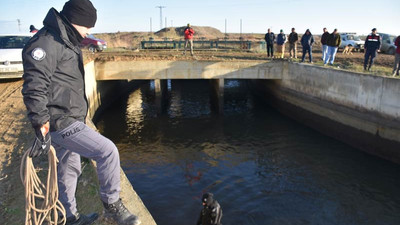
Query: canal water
[{"x": 262, "y": 167}]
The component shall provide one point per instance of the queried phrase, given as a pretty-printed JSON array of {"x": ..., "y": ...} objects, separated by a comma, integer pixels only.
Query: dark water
[{"x": 262, "y": 167}]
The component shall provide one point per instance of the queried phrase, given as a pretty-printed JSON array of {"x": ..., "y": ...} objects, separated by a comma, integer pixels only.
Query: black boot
[
  {"x": 120, "y": 214},
  {"x": 82, "y": 219}
]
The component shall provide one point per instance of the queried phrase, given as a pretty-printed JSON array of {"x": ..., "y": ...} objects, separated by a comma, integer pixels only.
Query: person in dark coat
[
  {"x": 293, "y": 38},
  {"x": 334, "y": 40},
  {"x": 324, "y": 40},
  {"x": 307, "y": 40},
  {"x": 396, "y": 67},
  {"x": 211, "y": 213},
  {"x": 54, "y": 95},
  {"x": 270, "y": 39},
  {"x": 372, "y": 46}
]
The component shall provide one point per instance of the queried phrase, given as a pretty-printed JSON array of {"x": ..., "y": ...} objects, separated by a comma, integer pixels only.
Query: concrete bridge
[
  {"x": 151, "y": 70},
  {"x": 216, "y": 72}
]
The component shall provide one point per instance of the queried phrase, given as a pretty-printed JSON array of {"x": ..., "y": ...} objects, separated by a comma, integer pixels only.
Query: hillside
[{"x": 133, "y": 39}]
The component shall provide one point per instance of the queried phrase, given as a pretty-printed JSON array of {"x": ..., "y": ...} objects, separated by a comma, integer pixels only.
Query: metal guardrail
[{"x": 200, "y": 44}]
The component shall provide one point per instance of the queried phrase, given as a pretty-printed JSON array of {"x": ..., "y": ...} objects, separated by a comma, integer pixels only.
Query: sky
[{"x": 256, "y": 15}]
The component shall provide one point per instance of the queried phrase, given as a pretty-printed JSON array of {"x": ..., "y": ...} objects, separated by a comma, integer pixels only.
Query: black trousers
[
  {"x": 369, "y": 56},
  {"x": 270, "y": 50}
]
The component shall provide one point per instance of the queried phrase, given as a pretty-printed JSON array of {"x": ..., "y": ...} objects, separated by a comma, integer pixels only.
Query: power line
[{"x": 161, "y": 18}]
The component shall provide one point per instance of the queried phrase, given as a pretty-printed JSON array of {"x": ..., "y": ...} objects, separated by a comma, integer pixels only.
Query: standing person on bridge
[
  {"x": 189, "y": 32},
  {"x": 371, "y": 47},
  {"x": 307, "y": 40},
  {"x": 334, "y": 40},
  {"x": 293, "y": 38},
  {"x": 54, "y": 95},
  {"x": 396, "y": 67},
  {"x": 280, "y": 43},
  {"x": 324, "y": 39},
  {"x": 270, "y": 39}
]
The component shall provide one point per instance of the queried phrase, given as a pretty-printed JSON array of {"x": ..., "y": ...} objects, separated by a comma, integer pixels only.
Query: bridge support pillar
[
  {"x": 217, "y": 95},
  {"x": 161, "y": 90}
]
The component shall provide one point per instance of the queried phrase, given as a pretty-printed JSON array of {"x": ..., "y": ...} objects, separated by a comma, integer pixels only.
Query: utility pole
[
  {"x": 240, "y": 28},
  {"x": 161, "y": 18},
  {"x": 19, "y": 24},
  {"x": 226, "y": 28},
  {"x": 166, "y": 25},
  {"x": 151, "y": 25},
  {"x": 172, "y": 23}
]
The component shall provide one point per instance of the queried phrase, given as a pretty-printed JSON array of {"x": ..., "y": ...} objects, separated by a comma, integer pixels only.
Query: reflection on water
[{"x": 262, "y": 167}]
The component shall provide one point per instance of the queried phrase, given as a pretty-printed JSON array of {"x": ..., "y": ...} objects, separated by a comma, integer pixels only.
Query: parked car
[
  {"x": 388, "y": 43},
  {"x": 11, "y": 46},
  {"x": 93, "y": 44},
  {"x": 352, "y": 39}
]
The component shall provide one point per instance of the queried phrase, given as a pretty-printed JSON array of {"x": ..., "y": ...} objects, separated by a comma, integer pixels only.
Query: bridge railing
[{"x": 204, "y": 44}]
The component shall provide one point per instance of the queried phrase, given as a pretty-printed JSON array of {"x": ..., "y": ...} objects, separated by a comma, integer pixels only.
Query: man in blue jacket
[
  {"x": 280, "y": 44},
  {"x": 371, "y": 47},
  {"x": 54, "y": 95}
]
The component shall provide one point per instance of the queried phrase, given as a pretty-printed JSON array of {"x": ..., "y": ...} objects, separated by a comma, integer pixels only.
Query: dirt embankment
[
  {"x": 131, "y": 40},
  {"x": 16, "y": 135},
  {"x": 343, "y": 61}
]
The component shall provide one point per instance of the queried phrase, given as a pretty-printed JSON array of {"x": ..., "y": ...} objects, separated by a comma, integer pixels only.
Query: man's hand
[{"x": 42, "y": 141}]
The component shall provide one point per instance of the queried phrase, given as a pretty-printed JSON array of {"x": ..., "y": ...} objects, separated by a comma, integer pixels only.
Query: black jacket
[
  {"x": 373, "y": 42},
  {"x": 270, "y": 38},
  {"x": 307, "y": 40},
  {"x": 210, "y": 215},
  {"x": 293, "y": 37},
  {"x": 324, "y": 38},
  {"x": 334, "y": 40},
  {"x": 54, "y": 87}
]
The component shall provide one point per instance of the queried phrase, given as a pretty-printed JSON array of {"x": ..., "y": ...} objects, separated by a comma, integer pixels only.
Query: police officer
[
  {"x": 211, "y": 213},
  {"x": 371, "y": 48},
  {"x": 54, "y": 95}
]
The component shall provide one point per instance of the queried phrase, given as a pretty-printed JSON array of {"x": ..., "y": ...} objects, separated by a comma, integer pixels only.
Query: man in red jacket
[
  {"x": 189, "y": 32},
  {"x": 396, "y": 67}
]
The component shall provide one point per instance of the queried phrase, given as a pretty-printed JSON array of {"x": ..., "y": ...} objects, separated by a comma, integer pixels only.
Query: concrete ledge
[{"x": 147, "y": 70}]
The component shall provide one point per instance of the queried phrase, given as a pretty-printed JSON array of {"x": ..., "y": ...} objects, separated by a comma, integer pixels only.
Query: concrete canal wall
[
  {"x": 359, "y": 109},
  {"x": 100, "y": 94}
]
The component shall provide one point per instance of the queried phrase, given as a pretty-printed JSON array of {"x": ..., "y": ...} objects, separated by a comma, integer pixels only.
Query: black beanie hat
[
  {"x": 80, "y": 12},
  {"x": 32, "y": 28},
  {"x": 208, "y": 198}
]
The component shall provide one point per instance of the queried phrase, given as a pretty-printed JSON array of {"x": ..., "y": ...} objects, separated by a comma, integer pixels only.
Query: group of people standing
[{"x": 330, "y": 44}]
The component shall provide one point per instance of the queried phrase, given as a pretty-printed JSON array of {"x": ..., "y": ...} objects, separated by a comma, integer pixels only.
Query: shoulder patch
[{"x": 38, "y": 54}]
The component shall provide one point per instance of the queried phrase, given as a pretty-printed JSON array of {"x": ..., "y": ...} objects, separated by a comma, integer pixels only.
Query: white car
[
  {"x": 352, "y": 39},
  {"x": 11, "y": 46}
]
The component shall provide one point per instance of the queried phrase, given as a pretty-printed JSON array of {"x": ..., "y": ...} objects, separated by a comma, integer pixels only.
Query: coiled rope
[{"x": 41, "y": 201}]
